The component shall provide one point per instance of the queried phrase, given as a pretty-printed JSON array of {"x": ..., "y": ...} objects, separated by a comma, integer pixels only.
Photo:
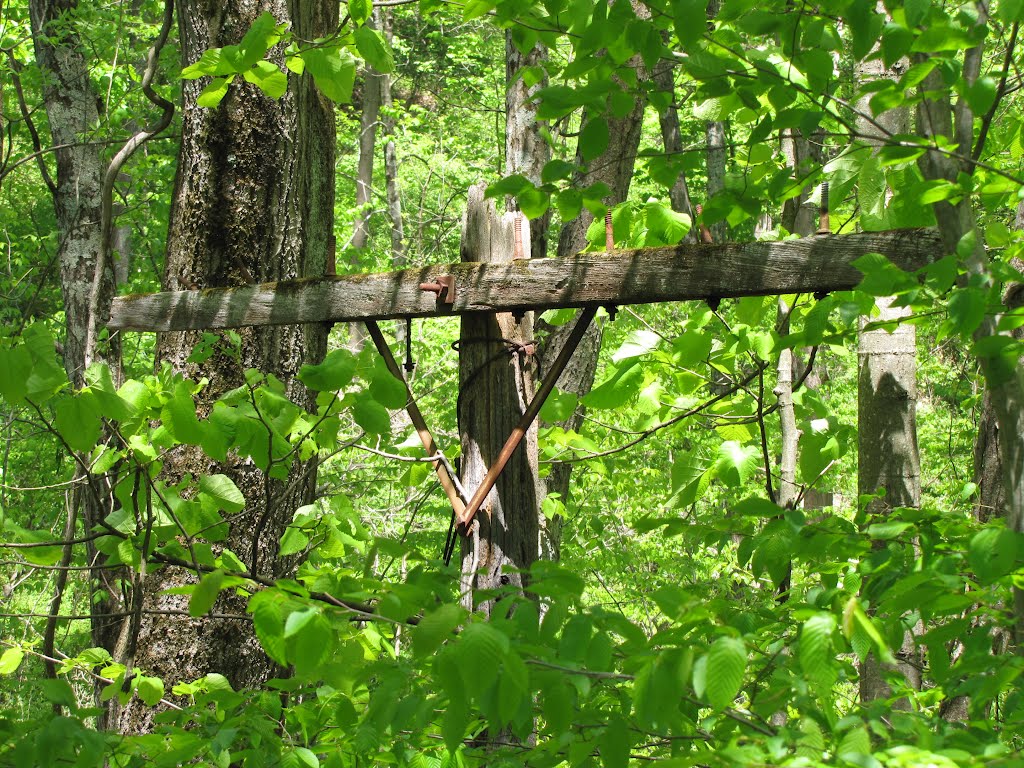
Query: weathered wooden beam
[{"x": 641, "y": 276}]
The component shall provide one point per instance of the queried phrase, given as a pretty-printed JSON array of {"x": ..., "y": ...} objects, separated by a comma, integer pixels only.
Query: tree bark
[
  {"x": 253, "y": 201},
  {"x": 887, "y": 452},
  {"x": 615, "y": 169},
  {"x": 373, "y": 84},
  {"x": 672, "y": 140},
  {"x": 73, "y": 117},
  {"x": 1004, "y": 379}
]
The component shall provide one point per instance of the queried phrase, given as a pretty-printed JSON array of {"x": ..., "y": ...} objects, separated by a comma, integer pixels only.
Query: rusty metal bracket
[
  {"x": 519, "y": 432},
  {"x": 448, "y": 481},
  {"x": 443, "y": 286}
]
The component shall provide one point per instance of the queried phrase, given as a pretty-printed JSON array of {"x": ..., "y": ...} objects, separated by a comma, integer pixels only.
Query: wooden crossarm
[{"x": 817, "y": 264}]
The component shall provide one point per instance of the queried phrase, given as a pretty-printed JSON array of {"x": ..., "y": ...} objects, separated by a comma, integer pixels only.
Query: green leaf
[
  {"x": 78, "y": 422},
  {"x": 664, "y": 226},
  {"x": 214, "y": 92},
  {"x": 268, "y": 621},
  {"x": 311, "y": 646},
  {"x": 15, "y": 365},
  {"x": 593, "y": 139},
  {"x": 992, "y": 554},
  {"x": 333, "y": 70},
  {"x": 205, "y": 593},
  {"x": 513, "y": 687},
  {"x": 558, "y": 407},
  {"x": 967, "y": 309},
  {"x": 510, "y": 186},
  {"x": 45, "y": 377},
  {"x": 896, "y": 42},
  {"x": 638, "y": 343},
  {"x": 334, "y": 373},
  {"x": 533, "y": 202},
  {"x": 556, "y": 170},
  {"x": 150, "y": 690},
  {"x": 689, "y": 18},
  {"x": 816, "y": 657},
  {"x": 297, "y": 620},
  {"x": 179, "y": 414},
  {"x": 372, "y": 48},
  {"x": 615, "y": 743},
  {"x": 981, "y": 95},
  {"x": 11, "y": 660},
  {"x": 481, "y": 648},
  {"x": 268, "y": 78},
  {"x": 360, "y": 10},
  {"x": 386, "y": 389},
  {"x": 726, "y": 664},
  {"x": 436, "y": 627},
  {"x": 736, "y": 462},
  {"x": 618, "y": 389},
  {"x": 371, "y": 415},
  {"x": 1009, "y": 10},
  {"x": 210, "y": 63},
  {"x": 223, "y": 491},
  {"x": 888, "y": 530},
  {"x": 262, "y": 35}
]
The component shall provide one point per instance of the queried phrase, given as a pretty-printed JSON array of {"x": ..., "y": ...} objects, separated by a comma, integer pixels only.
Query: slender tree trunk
[
  {"x": 253, "y": 201},
  {"x": 73, "y": 118},
  {"x": 373, "y": 84},
  {"x": 887, "y": 452},
  {"x": 672, "y": 140},
  {"x": 391, "y": 159},
  {"x": 614, "y": 168},
  {"x": 1004, "y": 379}
]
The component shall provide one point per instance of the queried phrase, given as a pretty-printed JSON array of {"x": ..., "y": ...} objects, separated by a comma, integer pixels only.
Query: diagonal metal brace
[
  {"x": 519, "y": 432},
  {"x": 448, "y": 481}
]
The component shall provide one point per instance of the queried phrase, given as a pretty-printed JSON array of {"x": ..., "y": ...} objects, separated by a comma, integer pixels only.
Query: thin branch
[
  {"x": 37, "y": 145},
  {"x": 114, "y": 169},
  {"x": 986, "y": 120}
]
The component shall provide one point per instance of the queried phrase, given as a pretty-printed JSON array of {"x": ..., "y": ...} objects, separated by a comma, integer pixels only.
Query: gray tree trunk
[
  {"x": 614, "y": 168},
  {"x": 73, "y": 118},
  {"x": 70, "y": 101},
  {"x": 887, "y": 452},
  {"x": 391, "y": 160},
  {"x": 373, "y": 84},
  {"x": 672, "y": 140},
  {"x": 253, "y": 201}
]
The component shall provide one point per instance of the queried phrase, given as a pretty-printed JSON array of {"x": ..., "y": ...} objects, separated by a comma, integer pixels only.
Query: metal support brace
[
  {"x": 448, "y": 481},
  {"x": 548, "y": 384}
]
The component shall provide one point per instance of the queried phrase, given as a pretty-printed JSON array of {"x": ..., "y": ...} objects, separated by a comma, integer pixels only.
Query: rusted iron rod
[
  {"x": 440, "y": 467},
  {"x": 585, "y": 317}
]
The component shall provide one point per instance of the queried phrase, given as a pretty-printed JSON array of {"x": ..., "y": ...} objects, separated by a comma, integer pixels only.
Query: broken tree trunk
[{"x": 690, "y": 271}]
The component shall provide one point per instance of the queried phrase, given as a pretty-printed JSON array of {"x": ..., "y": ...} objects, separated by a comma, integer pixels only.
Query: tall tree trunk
[
  {"x": 253, "y": 201},
  {"x": 672, "y": 140},
  {"x": 526, "y": 149},
  {"x": 73, "y": 117},
  {"x": 373, "y": 83},
  {"x": 1004, "y": 379},
  {"x": 391, "y": 159},
  {"x": 71, "y": 108},
  {"x": 614, "y": 168},
  {"x": 526, "y": 153},
  {"x": 887, "y": 452}
]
